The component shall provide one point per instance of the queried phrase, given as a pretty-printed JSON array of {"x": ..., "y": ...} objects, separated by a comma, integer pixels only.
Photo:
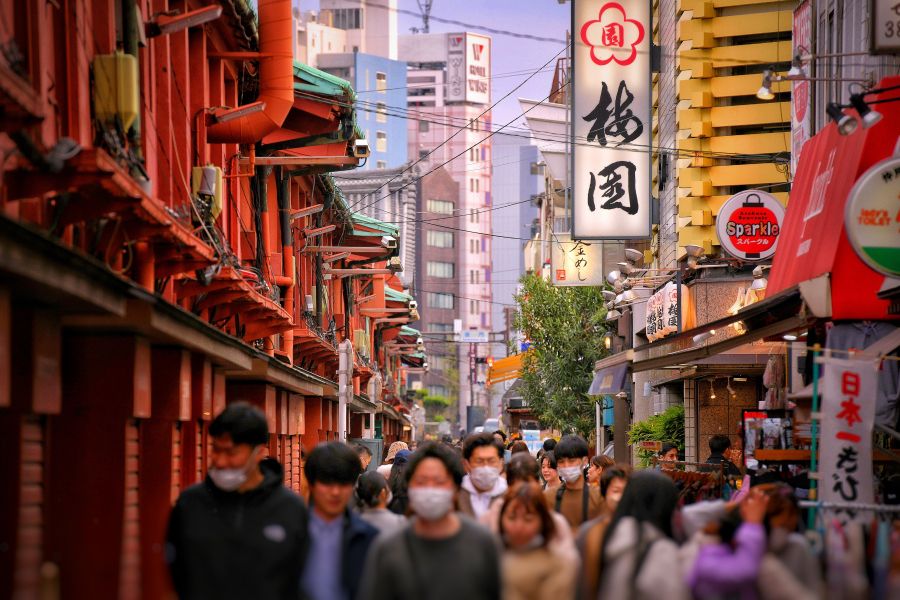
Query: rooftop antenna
[{"x": 425, "y": 9}]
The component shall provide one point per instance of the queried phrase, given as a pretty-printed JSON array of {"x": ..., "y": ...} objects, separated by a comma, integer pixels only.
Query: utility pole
[{"x": 425, "y": 9}]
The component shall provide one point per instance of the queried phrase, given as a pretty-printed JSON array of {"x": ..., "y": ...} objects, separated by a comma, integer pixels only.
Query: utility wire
[{"x": 484, "y": 112}]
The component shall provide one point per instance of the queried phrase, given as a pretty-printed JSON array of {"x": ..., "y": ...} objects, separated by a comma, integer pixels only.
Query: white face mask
[
  {"x": 484, "y": 478},
  {"x": 229, "y": 480},
  {"x": 431, "y": 503},
  {"x": 570, "y": 474}
]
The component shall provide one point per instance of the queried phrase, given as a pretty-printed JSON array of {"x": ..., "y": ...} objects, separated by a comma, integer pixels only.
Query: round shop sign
[
  {"x": 872, "y": 217},
  {"x": 749, "y": 224}
]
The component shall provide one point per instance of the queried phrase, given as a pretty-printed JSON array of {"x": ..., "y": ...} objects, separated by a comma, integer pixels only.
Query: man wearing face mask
[
  {"x": 483, "y": 459},
  {"x": 241, "y": 533},
  {"x": 442, "y": 555},
  {"x": 574, "y": 498}
]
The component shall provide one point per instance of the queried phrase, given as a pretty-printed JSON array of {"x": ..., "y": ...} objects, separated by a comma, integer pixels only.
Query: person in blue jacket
[{"x": 339, "y": 538}]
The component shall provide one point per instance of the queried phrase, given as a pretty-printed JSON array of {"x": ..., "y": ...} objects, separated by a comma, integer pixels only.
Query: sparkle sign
[
  {"x": 749, "y": 224},
  {"x": 611, "y": 119}
]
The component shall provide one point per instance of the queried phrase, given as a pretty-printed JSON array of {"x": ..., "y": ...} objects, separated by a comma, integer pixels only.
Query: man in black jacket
[
  {"x": 240, "y": 534},
  {"x": 339, "y": 538},
  {"x": 718, "y": 445}
]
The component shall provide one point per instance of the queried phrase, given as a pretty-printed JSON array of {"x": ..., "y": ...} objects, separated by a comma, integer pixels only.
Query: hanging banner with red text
[
  {"x": 801, "y": 90},
  {"x": 848, "y": 414},
  {"x": 611, "y": 130}
]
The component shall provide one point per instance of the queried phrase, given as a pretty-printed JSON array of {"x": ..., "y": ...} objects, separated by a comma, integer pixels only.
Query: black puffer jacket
[{"x": 224, "y": 545}]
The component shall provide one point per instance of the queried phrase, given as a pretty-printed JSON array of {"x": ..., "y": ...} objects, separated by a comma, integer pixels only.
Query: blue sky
[{"x": 545, "y": 18}]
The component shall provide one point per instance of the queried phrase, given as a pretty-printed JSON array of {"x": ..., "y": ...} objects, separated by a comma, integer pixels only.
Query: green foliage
[
  {"x": 432, "y": 400},
  {"x": 667, "y": 426},
  {"x": 565, "y": 326},
  {"x": 440, "y": 418}
]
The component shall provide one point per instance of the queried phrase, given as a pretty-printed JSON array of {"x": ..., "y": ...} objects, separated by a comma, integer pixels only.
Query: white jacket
[{"x": 661, "y": 575}]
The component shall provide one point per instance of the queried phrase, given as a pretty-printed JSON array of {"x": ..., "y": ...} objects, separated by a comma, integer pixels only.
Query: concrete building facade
[{"x": 449, "y": 98}]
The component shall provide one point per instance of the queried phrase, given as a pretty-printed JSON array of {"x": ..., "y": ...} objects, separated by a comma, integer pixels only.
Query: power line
[{"x": 484, "y": 112}]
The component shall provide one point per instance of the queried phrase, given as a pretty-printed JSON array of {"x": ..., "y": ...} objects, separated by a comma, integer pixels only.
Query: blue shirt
[{"x": 322, "y": 577}]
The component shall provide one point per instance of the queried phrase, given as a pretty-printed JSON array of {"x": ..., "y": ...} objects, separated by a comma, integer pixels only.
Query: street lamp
[{"x": 845, "y": 123}]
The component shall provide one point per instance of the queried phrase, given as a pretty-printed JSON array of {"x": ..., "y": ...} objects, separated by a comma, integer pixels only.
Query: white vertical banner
[
  {"x": 456, "y": 67},
  {"x": 611, "y": 119},
  {"x": 848, "y": 414}
]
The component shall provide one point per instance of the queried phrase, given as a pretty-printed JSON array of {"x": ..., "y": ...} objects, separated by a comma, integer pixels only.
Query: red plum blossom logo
[{"x": 611, "y": 35}]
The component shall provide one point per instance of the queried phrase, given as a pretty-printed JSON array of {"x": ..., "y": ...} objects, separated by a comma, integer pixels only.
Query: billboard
[
  {"x": 611, "y": 119},
  {"x": 468, "y": 68}
]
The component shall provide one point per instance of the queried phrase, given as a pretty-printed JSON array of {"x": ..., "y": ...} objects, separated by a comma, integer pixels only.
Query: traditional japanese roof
[
  {"x": 406, "y": 330},
  {"x": 312, "y": 80},
  {"x": 392, "y": 295},
  {"x": 380, "y": 227}
]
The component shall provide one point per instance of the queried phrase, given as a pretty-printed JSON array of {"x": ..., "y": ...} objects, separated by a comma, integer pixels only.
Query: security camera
[
  {"x": 413, "y": 305},
  {"x": 361, "y": 148},
  {"x": 389, "y": 242}
]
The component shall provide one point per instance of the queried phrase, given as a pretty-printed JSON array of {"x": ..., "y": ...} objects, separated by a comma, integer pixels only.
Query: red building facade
[{"x": 170, "y": 242}]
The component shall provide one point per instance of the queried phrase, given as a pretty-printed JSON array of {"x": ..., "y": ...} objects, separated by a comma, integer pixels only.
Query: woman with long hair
[{"x": 640, "y": 560}]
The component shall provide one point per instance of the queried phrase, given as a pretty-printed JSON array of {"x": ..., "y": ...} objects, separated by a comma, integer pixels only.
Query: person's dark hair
[
  {"x": 477, "y": 440},
  {"x": 719, "y": 444},
  {"x": 529, "y": 495},
  {"x": 397, "y": 483},
  {"x": 243, "y": 423},
  {"x": 363, "y": 450},
  {"x": 369, "y": 488},
  {"x": 650, "y": 497},
  {"x": 500, "y": 433},
  {"x": 518, "y": 447},
  {"x": 571, "y": 446},
  {"x": 551, "y": 457},
  {"x": 442, "y": 453},
  {"x": 616, "y": 471},
  {"x": 549, "y": 445},
  {"x": 522, "y": 467},
  {"x": 333, "y": 462},
  {"x": 602, "y": 461},
  {"x": 666, "y": 447}
]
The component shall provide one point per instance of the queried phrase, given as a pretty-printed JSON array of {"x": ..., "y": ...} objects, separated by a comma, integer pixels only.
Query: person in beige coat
[{"x": 530, "y": 569}]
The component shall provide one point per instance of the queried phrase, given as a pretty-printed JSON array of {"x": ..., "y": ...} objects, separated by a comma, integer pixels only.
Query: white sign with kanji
[
  {"x": 611, "y": 119},
  {"x": 848, "y": 414},
  {"x": 575, "y": 262}
]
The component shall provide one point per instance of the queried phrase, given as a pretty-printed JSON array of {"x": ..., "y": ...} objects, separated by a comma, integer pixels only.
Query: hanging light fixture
[
  {"x": 845, "y": 123},
  {"x": 868, "y": 116},
  {"x": 613, "y": 315},
  {"x": 730, "y": 389},
  {"x": 712, "y": 390},
  {"x": 607, "y": 340},
  {"x": 759, "y": 282},
  {"x": 765, "y": 90},
  {"x": 796, "y": 71}
]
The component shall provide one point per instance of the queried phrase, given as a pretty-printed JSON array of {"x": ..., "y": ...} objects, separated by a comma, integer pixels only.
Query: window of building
[
  {"x": 441, "y": 328},
  {"x": 381, "y": 164},
  {"x": 439, "y": 300},
  {"x": 381, "y": 112},
  {"x": 437, "y": 390},
  {"x": 423, "y": 126},
  {"x": 444, "y": 270},
  {"x": 444, "y": 207},
  {"x": 380, "y": 81},
  {"x": 381, "y": 141},
  {"x": 439, "y": 239},
  {"x": 477, "y": 185},
  {"x": 347, "y": 18}
]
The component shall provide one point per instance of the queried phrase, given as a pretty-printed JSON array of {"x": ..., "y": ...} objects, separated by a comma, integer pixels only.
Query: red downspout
[{"x": 276, "y": 79}]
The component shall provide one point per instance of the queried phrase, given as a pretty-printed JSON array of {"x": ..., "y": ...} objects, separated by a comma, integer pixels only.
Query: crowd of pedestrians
[{"x": 475, "y": 522}]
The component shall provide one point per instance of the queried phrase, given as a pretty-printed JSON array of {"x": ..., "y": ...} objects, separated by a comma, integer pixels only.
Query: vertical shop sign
[
  {"x": 575, "y": 262},
  {"x": 801, "y": 91},
  {"x": 848, "y": 414},
  {"x": 456, "y": 67},
  {"x": 611, "y": 119}
]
